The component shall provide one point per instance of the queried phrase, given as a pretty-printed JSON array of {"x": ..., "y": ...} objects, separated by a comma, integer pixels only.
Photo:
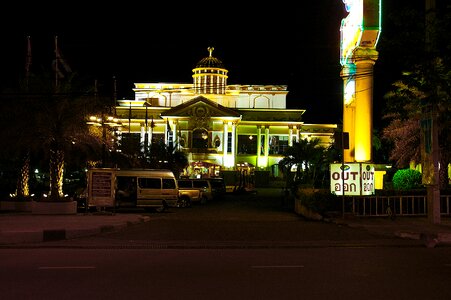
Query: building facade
[{"x": 220, "y": 127}]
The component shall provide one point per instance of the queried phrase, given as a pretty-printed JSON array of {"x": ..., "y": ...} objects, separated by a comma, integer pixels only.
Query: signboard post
[
  {"x": 101, "y": 188},
  {"x": 352, "y": 179}
]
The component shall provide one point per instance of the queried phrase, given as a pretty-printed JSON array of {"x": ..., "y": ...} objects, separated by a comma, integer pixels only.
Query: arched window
[{"x": 200, "y": 138}]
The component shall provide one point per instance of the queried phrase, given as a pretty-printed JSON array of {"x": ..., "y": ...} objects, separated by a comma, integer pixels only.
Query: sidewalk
[
  {"x": 16, "y": 228},
  {"x": 417, "y": 228}
]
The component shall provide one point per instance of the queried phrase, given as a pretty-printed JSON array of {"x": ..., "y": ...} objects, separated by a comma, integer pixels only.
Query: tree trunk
[
  {"x": 23, "y": 188},
  {"x": 56, "y": 174}
]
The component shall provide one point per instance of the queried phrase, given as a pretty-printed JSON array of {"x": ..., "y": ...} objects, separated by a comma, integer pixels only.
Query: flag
[
  {"x": 60, "y": 65},
  {"x": 28, "y": 58}
]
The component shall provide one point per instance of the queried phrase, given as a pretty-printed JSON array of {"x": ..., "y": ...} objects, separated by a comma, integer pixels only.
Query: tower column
[
  {"x": 357, "y": 78},
  {"x": 348, "y": 76},
  {"x": 364, "y": 59}
]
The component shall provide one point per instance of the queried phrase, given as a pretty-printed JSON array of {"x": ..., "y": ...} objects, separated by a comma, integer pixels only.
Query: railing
[{"x": 401, "y": 205}]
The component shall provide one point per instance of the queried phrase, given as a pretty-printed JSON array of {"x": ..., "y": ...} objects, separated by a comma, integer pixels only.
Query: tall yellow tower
[{"x": 360, "y": 31}]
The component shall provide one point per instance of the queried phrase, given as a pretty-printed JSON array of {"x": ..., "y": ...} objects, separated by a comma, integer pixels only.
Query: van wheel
[
  {"x": 184, "y": 202},
  {"x": 203, "y": 200},
  {"x": 164, "y": 207}
]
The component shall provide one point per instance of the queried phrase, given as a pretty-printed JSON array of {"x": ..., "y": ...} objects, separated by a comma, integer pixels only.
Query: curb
[{"x": 48, "y": 235}]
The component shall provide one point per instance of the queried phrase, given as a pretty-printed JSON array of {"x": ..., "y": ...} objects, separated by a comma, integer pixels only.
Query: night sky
[{"x": 287, "y": 42}]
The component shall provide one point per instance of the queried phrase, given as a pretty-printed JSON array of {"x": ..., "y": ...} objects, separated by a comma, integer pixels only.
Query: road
[{"x": 239, "y": 248}]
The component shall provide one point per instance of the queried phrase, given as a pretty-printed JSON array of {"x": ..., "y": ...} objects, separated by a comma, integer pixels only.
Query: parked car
[
  {"x": 188, "y": 195},
  {"x": 192, "y": 192},
  {"x": 212, "y": 188},
  {"x": 218, "y": 187}
]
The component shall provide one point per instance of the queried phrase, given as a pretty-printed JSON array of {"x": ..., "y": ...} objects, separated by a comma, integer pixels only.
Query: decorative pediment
[{"x": 201, "y": 108}]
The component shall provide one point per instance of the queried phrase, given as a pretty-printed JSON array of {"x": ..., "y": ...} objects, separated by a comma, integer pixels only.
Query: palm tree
[
  {"x": 17, "y": 129},
  {"x": 426, "y": 82},
  {"x": 52, "y": 123},
  {"x": 308, "y": 157},
  {"x": 429, "y": 84}
]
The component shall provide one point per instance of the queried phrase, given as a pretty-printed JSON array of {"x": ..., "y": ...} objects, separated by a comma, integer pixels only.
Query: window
[
  {"x": 283, "y": 144},
  {"x": 247, "y": 144},
  {"x": 184, "y": 183},
  {"x": 200, "y": 184},
  {"x": 168, "y": 183},
  {"x": 149, "y": 183},
  {"x": 274, "y": 144},
  {"x": 200, "y": 138}
]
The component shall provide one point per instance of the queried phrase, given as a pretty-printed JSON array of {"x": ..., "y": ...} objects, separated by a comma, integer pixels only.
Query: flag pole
[
  {"x": 56, "y": 62},
  {"x": 28, "y": 63}
]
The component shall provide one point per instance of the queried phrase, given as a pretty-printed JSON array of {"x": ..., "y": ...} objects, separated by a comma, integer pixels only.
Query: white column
[
  {"x": 175, "y": 138},
  {"x": 149, "y": 136},
  {"x": 166, "y": 133},
  {"x": 142, "y": 136},
  {"x": 259, "y": 143},
  {"x": 225, "y": 139},
  {"x": 266, "y": 146},
  {"x": 290, "y": 137},
  {"x": 233, "y": 142}
]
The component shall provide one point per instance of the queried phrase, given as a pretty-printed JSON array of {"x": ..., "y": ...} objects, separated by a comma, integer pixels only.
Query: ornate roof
[{"x": 210, "y": 61}]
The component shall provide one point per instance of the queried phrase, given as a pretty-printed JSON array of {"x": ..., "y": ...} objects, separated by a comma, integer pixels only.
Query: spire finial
[{"x": 210, "y": 49}]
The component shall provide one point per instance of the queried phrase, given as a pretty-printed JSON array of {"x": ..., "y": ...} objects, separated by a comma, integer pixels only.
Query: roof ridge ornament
[{"x": 210, "y": 49}]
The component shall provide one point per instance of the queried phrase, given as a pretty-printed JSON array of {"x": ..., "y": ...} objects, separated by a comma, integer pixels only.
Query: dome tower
[{"x": 210, "y": 76}]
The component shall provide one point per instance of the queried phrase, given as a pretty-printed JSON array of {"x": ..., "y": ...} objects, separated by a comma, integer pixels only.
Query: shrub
[
  {"x": 406, "y": 179},
  {"x": 319, "y": 200}
]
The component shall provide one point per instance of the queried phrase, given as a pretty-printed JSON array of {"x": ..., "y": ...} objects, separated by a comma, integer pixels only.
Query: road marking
[
  {"x": 66, "y": 267},
  {"x": 264, "y": 267}
]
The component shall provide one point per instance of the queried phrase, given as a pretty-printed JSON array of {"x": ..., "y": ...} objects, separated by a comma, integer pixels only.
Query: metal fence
[{"x": 401, "y": 205}]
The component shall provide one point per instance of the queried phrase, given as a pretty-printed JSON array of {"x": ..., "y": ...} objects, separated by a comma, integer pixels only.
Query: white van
[{"x": 145, "y": 188}]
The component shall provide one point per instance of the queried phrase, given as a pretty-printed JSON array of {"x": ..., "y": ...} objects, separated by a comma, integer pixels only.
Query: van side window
[
  {"x": 168, "y": 183},
  {"x": 200, "y": 184},
  {"x": 149, "y": 183},
  {"x": 185, "y": 184}
]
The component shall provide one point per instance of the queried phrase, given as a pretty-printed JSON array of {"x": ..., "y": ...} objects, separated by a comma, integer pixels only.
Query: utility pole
[{"x": 429, "y": 130}]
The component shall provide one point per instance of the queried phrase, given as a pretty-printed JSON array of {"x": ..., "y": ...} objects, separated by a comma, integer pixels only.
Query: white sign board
[
  {"x": 101, "y": 188},
  {"x": 355, "y": 179}
]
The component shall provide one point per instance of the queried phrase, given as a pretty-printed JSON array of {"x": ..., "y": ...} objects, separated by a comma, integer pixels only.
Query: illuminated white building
[{"x": 221, "y": 127}]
